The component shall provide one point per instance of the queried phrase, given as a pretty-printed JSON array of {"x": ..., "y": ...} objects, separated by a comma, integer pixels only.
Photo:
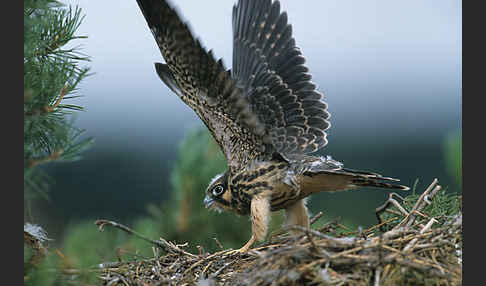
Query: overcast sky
[{"x": 393, "y": 63}]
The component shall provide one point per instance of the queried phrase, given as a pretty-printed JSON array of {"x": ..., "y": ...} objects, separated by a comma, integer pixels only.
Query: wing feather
[
  {"x": 265, "y": 55},
  {"x": 206, "y": 86}
]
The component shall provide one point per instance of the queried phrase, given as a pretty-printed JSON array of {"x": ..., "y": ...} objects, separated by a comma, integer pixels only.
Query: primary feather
[
  {"x": 270, "y": 67},
  {"x": 206, "y": 86}
]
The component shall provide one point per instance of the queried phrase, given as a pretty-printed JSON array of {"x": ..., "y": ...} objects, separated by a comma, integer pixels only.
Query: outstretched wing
[
  {"x": 206, "y": 86},
  {"x": 270, "y": 69}
]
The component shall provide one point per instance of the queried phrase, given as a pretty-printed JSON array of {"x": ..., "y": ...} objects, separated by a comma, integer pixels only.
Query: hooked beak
[{"x": 208, "y": 202}]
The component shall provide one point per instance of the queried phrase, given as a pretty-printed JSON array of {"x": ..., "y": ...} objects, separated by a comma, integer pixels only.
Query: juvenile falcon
[{"x": 265, "y": 114}]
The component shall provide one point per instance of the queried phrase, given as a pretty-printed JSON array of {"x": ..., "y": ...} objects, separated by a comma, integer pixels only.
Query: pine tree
[{"x": 52, "y": 72}]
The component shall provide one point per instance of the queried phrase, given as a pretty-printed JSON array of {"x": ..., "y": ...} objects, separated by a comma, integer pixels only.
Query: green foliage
[
  {"x": 43, "y": 274},
  {"x": 52, "y": 72},
  {"x": 443, "y": 207},
  {"x": 50, "y": 272},
  {"x": 453, "y": 156},
  {"x": 85, "y": 246},
  {"x": 82, "y": 249}
]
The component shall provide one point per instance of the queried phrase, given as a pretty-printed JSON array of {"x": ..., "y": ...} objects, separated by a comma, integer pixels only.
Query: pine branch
[{"x": 52, "y": 71}]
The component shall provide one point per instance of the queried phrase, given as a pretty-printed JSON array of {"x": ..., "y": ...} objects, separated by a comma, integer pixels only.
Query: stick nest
[{"x": 408, "y": 247}]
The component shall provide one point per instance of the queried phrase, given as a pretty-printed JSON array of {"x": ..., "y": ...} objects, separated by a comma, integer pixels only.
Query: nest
[{"x": 407, "y": 247}]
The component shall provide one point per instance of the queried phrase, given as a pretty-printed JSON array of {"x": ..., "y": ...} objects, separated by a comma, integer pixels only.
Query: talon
[
  {"x": 244, "y": 249},
  {"x": 233, "y": 252}
]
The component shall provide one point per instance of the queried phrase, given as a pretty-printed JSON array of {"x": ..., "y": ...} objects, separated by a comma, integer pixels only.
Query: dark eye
[{"x": 218, "y": 190}]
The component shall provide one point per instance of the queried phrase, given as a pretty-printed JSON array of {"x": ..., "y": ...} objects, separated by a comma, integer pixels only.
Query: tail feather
[
  {"x": 345, "y": 179},
  {"x": 374, "y": 182},
  {"x": 370, "y": 179},
  {"x": 367, "y": 173}
]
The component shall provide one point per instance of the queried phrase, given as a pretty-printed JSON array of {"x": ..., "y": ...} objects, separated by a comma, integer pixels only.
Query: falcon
[{"x": 266, "y": 114}]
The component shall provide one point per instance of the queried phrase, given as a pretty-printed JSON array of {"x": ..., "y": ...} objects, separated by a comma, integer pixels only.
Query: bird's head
[{"x": 218, "y": 194}]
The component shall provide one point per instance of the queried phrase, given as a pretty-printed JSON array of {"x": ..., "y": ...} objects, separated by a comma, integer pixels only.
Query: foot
[
  {"x": 245, "y": 247},
  {"x": 232, "y": 252}
]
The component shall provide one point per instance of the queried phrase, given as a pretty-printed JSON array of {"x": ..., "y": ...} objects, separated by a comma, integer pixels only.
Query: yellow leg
[
  {"x": 297, "y": 214},
  {"x": 247, "y": 246},
  {"x": 260, "y": 217}
]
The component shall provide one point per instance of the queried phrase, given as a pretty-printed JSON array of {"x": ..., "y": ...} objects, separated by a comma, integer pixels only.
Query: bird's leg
[
  {"x": 297, "y": 214},
  {"x": 260, "y": 217},
  {"x": 247, "y": 246}
]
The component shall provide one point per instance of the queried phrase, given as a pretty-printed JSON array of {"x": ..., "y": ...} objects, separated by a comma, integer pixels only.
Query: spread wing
[
  {"x": 267, "y": 104},
  {"x": 270, "y": 68},
  {"x": 206, "y": 86}
]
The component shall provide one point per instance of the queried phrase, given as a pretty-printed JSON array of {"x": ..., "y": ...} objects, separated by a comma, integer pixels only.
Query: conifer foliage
[{"x": 52, "y": 71}]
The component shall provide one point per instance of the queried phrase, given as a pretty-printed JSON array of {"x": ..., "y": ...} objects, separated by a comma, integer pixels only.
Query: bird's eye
[{"x": 218, "y": 190}]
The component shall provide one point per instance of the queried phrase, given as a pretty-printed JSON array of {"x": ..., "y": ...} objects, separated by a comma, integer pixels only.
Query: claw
[
  {"x": 234, "y": 252},
  {"x": 244, "y": 249}
]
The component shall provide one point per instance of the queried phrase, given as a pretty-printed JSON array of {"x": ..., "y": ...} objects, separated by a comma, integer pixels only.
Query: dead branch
[{"x": 162, "y": 243}]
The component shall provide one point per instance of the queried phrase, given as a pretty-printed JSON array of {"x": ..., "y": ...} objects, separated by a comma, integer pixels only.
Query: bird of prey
[{"x": 266, "y": 114}]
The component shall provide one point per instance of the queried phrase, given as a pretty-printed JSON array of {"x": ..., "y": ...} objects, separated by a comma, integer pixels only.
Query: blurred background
[{"x": 390, "y": 72}]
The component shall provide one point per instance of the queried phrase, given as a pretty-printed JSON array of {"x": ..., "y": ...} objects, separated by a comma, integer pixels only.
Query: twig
[
  {"x": 338, "y": 241},
  {"x": 377, "y": 276},
  {"x": 218, "y": 243},
  {"x": 215, "y": 274},
  {"x": 315, "y": 218},
  {"x": 203, "y": 273},
  {"x": 203, "y": 260},
  {"x": 309, "y": 237},
  {"x": 51, "y": 157},
  {"x": 113, "y": 281},
  {"x": 50, "y": 108},
  {"x": 329, "y": 224},
  {"x": 379, "y": 225},
  {"x": 421, "y": 204},
  {"x": 424, "y": 229},
  {"x": 393, "y": 212},
  {"x": 201, "y": 249},
  {"x": 162, "y": 243},
  {"x": 386, "y": 205},
  {"x": 109, "y": 264},
  {"x": 156, "y": 252}
]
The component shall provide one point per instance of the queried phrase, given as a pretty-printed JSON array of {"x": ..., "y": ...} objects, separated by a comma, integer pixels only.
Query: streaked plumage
[{"x": 266, "y": 114}]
